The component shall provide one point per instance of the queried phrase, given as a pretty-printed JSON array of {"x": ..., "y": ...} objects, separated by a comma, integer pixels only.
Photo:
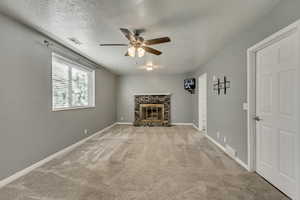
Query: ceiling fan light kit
[
  {"x": 131, "y": 51},
  {"x": 149, "y": 68},
  {"x": 141, "y": 52}
]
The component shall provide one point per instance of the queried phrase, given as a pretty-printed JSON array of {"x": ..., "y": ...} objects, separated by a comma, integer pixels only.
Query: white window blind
[{"x": 72, "y": 84}]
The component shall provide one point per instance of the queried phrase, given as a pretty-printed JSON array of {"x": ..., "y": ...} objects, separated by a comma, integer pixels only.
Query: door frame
[
  {"x": 251, "y": 96},
  {"x": 204, "y": 75}
]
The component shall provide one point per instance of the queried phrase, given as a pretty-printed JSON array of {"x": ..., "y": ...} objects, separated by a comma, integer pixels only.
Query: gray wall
[
  {"x": 225, "y": 113},
  {"x": 181, "y": 107},
  {"x": 29, "y": 130}
]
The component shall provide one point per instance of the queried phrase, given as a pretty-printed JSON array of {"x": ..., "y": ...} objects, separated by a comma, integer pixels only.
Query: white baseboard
[
  {"x": 181, "y": 124},
  {"x": 174, "y": 124},
  {"x": 25, "y": 171},
  {"x": 241, "y": 163},
  {"x": 216, "y": 143},
  {"x": 196, "y": 127},
  {"x": 124, "y": 123},
  {"x": 223, "y": 149}
]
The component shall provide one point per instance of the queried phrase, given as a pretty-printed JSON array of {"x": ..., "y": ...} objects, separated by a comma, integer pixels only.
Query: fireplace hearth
[{"x": 152, "y": 110}]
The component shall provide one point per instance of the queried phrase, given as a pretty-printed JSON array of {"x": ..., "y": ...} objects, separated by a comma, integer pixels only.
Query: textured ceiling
[{"x": 197, "y": 28}]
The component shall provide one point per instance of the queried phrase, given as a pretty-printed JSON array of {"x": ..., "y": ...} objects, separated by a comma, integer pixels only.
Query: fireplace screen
[{"x": 152, "y": 112}]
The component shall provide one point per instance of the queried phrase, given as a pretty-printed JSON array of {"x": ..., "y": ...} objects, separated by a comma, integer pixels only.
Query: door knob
[{"x": 257, "y": 118}]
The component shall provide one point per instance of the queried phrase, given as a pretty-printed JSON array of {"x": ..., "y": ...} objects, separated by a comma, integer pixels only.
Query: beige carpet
[{"x": 130, "y": 163}]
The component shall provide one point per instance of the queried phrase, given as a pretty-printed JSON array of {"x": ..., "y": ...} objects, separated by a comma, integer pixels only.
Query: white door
[
  {"x": 202, "y": 95},
  {"x": 276, "y": 109}
]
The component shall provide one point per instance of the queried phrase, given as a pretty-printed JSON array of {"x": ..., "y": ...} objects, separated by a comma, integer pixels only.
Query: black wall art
[
  {"x": 190, "y": 85},
  {"x": 221, "y": 85}
]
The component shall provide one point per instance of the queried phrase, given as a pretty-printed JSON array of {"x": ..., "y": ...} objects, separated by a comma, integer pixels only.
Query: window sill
[{"x": 72, "y": 108}]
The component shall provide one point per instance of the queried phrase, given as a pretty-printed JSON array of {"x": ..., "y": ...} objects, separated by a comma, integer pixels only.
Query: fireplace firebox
[{"x": 152, "y": 112}]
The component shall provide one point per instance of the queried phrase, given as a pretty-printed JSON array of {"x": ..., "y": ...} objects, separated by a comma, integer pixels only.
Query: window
[{"x": 72, "y": 84}]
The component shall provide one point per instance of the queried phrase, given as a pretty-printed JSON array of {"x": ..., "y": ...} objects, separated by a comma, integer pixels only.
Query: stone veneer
[{"x": 152, "y": 99}]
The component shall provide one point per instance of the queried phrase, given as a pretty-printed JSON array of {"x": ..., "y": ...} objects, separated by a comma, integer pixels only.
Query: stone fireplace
[{"x": 152, "y": 110}]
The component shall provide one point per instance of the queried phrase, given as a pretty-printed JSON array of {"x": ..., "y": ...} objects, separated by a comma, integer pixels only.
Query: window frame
[{"x": 91, "y": 83}]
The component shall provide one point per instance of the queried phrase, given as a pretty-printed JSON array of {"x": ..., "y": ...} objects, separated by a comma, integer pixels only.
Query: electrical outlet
[
  {"x": 224, "y": 139},
  {"x": 122, "y": 118},
  {"x": 245, "y": 106},
  {"x": 218, "y": 135},
  {"x": 85, "y": 131},
  {"x": 231, "y": 151}
]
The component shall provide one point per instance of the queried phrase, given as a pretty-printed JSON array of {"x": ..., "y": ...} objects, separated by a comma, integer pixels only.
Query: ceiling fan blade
[
  {"x": 157, "y": 41},
  {"x": 127, "y": 34},
  {"x": 114, "y": 45},
  {"x": 151, "y": 50}
]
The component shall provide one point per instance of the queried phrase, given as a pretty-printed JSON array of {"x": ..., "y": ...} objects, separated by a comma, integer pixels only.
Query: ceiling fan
[{"x": 138, "y": 45}]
